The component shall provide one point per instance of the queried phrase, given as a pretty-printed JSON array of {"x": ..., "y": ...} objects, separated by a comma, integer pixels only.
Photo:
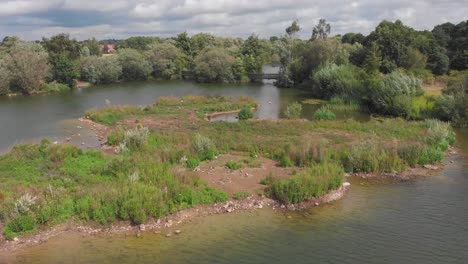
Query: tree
[
  {"x": 138, "y": 43},
  {"x": 413, "y": 59},
  {"x": 28, "y": 67},
  {"x": 309, "y": 56},
  {"x": 373, "y": 59},
  {"x": 201, "y": 41},
  {"x": 293, "y": 30},
  {"x": 100, "y": 70},
  {"x": 352, "y": 38},
  {"x": 168, "y": 61},
  {"x": 252, "y": 51},
  {"x": 183, "y": 42},
  {"x": 321, "y": 31},
  {"x": 392, "y": 40},
  {"x": 93, "y": 46},
  {"x": 135, "y": 67},
  {"x": 4, "y": 78},
  {"x": 63, "y": 55},
  {"x": 214, "y": 65}
]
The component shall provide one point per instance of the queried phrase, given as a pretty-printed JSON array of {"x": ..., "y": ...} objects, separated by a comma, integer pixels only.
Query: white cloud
[{"x": 123, "y": 18}]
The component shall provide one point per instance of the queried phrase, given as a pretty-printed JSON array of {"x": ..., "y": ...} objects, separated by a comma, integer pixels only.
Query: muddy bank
[{"x": 167, "y": 225}]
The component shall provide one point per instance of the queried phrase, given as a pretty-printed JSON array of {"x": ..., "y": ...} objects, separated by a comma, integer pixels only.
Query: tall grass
[{"x": 313, "y": 182}]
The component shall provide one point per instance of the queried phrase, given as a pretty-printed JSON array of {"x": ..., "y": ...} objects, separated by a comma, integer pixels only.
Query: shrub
[
  {"x": 204, "y": 147},
  {"x": 55, "y": 87},
  {"x": 285, "y": 161},
  {"x": 240, "y": 195},
  {"x": 437, "y": 132},
  {"x": 269, "y": 180},
  {"x": 337, "y": 80},
  {"x": 245, "y": 113},
  {"x": 324, "y": 113},
  {"x": 100, "y": 70},
  {"x": 193, "y": 163},
  {"x": 134, "y": 139},
  {"x": 343, "y": 103},
  {"x": 293, "y": 111},
  {"x": 313, "y": 182},
  {"x": 232, "y": 165},
  {"x": 21, "y": 225},
  {"x": 115, "y": 137}
]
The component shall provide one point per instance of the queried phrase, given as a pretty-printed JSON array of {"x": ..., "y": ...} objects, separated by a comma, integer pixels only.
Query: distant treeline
[{"x": 382, "y": 70}]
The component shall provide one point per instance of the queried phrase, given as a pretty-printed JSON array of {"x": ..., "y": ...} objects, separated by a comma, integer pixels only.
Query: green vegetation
[
  {"x": 315, "y": 181},
  {"x": 233, "y": 165},
  {"x": 324, "y": 113},
  {"x": 46, "y": 184},
  {"x": 245, "y": 113},
  {"x": 293, "y": 111}
]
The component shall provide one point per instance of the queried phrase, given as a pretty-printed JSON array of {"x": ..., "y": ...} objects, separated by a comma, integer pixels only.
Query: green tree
[
  {"x": 138, "y": 43},
  {"x": 202, "y": 41},
  {"x": 352, "y": 38},
  {"x": 373, "y": 59},
  {"x": 252, "y": 51},
  {"x": 100, "y": 70},
  {"x": 293, "y": 29},
  {"x": 168, "y": 61},
  {"x": 392, "y": 40},
  {"x": 4, "y": 78},
  {"x": 321, "y": 31},
  {"x": 184, "y": 43},
  {"x": 135, "y": 67},
  {"x": 214, "y": 65},
  {"x": 28, "y": 67},
  {"x": 413, "y": 59},
  {"x": 93, "y": 46},
  {"x": 63, "y": 55}
]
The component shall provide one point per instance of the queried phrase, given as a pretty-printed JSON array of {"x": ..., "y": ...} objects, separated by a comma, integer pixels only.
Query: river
[{"x": 420, "y": 221}]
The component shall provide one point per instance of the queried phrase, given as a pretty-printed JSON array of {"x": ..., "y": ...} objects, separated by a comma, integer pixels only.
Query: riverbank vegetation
[{"x": 150, "y": 173}]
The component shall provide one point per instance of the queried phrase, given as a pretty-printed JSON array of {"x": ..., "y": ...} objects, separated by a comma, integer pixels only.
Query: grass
[
  {"x": 315, "y": 181},
  {"x": 145, "y": 182},
  {"x": 233, "y": 165},
  {"x": 324, "y": 113}
]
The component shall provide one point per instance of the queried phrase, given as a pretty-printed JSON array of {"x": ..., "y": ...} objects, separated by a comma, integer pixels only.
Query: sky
[{"x": 105, "y": 19}]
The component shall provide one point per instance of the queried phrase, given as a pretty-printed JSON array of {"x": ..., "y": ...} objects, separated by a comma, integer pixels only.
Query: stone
[
  {"x": 177, "y": 232},
  {"x": 430, "y": 167},
  {"x": 15, "y": 239},
  {"x": 346, "y": 184},
  {"x": 168, "y": 235},
  {"x": 316, "y": 204},
  {"x": 142, "y": 227}
]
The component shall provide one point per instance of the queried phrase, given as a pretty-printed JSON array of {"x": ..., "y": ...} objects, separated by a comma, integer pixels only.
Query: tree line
[{"x": 382, "y": 70}]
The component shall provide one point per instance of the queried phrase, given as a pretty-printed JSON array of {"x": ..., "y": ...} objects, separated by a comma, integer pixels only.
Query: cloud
[{"x": 33, "y": 19}]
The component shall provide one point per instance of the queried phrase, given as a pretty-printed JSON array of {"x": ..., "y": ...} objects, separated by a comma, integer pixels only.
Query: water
[{"x": 421, "y": 221}]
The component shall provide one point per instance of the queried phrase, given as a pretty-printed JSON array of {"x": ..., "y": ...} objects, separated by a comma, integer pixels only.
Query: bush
[
  {"x": 192, "y": 163},
  {"x": 269, "y": 180},
  {"x": 21, "y": 225},
  {"x": 204, "y": 147},
  {"x": 394, "y": 94},
  {"x": 245, "y": 113},
  {"x": 134, "y": 139},
  {"x": 293, "y": 111},
  {"x": 333, "y": 80},
  {"x": 324, "y": 113},
  {"x": 56, "y": 87},
  {"x": 285, "y": 161},
  {"x": 168, "y": 61},
  {"x": 232, "y": 165},
  {"x": 315, "y": 181}
]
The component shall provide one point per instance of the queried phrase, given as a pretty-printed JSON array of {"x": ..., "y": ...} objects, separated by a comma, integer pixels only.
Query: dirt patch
[{"x": 246, "y": 179}]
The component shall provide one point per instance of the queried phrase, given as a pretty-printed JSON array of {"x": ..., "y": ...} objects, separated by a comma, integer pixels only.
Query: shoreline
[{"x": 165, "y": 224}]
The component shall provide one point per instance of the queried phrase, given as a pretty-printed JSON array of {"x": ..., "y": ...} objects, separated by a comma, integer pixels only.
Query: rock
[
  {"x": 78, "y": 127},
  {"x": 82, "y": 143},
  {"x": 289, "y": 217},
  {"x": 316, "y": 204},
  {"x": 229, "y": 210},
  {"x": 430, "y": 167},
  {"x": 55, "y": 142},
  {"x": 138, "y": 235},
  {"x": 282, "y": 206},
  {"x": 168, "y": 235},
  {"x": 346, "y": 184},
  {"x": 347, "y": 175},
  {"x": 177, "y": 232},
  {"x": 142, "y": 227},
  {"x": 452, "y": 161},
  {"x": 246, "y": 174},
  {"x": 15, "y": 239}
]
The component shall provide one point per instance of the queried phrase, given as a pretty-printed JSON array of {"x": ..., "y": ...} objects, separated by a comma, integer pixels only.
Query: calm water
[{"x": 422, "y": 221}]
